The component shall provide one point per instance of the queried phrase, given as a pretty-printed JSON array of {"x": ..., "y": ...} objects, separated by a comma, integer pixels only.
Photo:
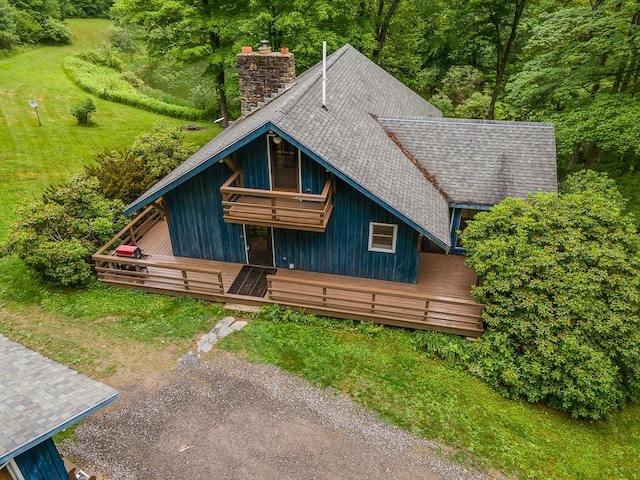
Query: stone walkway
[{"x": 223, "y": 328}]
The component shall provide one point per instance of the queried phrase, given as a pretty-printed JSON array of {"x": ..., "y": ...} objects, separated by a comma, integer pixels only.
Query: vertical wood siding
[
  {"x": 196, "y": 227},
  {"x": 313, "y": 175},
  {"x": 344, "y": 248},
  {"x": 42, "y": 462},
  {"x": 254, "y": 162}
]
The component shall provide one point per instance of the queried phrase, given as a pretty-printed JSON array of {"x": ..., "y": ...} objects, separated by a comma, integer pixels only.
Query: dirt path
[{"x": 227, "y": 419}]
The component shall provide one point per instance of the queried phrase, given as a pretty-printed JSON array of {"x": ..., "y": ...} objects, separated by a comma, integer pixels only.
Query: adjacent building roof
[
  {"x": 351, "y": 137},
  {"x": 39, "y": 397}
]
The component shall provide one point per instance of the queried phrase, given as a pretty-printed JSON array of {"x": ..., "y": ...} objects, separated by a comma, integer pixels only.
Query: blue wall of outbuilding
[
  {"x": 42, "y": 462},
  {"x": 197, "y": 229}
]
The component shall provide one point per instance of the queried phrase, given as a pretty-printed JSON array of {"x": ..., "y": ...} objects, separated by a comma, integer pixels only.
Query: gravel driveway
[{"x": 225, "y": 418}]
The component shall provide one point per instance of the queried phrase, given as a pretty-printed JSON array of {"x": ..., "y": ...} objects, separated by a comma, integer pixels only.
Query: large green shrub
[
  {"x": 126, "y": 174},
  {"x": 561, "y": 284},
  {"x": 56, "y": 235}
]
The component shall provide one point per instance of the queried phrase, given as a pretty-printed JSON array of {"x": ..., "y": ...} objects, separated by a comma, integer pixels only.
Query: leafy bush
[
  {"x": 54, "y": 31},
  {"x": 476, "y": 106},
  {"x": 453, "y": 349},
  {"x": 561, "y": 284},
  {"x": 107, "y": 57},
  {"x": 126, "y": 174},
  {"x": 442, "y": 103},
  {"x": 56, "y": 235},
  {"x": 8, "y": 36},
  {"x": 109, "y": 85},
  {"x": 83, "y": 111}
]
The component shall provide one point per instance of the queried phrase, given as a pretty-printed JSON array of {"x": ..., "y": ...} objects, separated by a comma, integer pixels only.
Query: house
[
  {"x": 39, "y": 398},
  {"x": 357, "y": 177}
]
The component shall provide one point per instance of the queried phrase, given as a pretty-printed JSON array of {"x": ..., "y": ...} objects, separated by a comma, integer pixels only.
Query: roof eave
[{"x": 143, "y": 201}]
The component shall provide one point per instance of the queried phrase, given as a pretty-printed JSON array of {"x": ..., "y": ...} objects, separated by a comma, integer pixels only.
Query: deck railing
[
  {"x": 135, "y": 230},
  {"x": 158, "y": 276},
  {"x": 272, "y": 208},
  {"x": 150, "y": 271},
  {"x": 453, "y": 315}
]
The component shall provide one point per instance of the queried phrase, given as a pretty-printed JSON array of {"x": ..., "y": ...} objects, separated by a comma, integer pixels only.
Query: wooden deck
[{"x": 440, "y": 300}]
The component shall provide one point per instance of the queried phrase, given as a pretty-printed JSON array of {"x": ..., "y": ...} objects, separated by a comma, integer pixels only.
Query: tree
[
  {"x": 498, "y": 21},
  {"x": 56, "y": 235},
  {"x": 190, "y": 31},
  {"x": 194, "y": 31},
  {"x": 8, "y": 36},
  {"x": 561, "y": 284},
  {"x": 40, "y": 21},
  {"x": 127, "y": 174},
  {"x": 581, "y": 72}
]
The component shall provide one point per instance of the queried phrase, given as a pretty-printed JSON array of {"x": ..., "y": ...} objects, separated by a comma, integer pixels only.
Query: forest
[{"x": 571, "y": 63}]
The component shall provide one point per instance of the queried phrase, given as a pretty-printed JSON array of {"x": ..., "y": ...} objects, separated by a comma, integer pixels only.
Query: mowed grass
[
  {"x": 98, "y": 330},
  {"x": 382, "y": 369},
  {"x": 107, "y": 333},
  {"x": 33, "y": 156}
]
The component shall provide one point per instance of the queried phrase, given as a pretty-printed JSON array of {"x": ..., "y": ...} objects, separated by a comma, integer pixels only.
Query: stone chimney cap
[{"x": 264, "y": 48}]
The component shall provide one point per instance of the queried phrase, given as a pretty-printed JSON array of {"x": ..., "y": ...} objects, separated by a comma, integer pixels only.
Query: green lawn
[
  {"x": 32, "y": 156},
  {"x": 382, "y": 369}
]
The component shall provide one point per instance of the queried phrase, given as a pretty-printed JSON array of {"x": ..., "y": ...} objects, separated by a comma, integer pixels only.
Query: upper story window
[
  {"x": 285, "y": 164},
  {"x": 383, "y": 237}
]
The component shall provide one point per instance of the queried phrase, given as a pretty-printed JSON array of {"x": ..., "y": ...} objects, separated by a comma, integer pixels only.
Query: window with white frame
[
  {"x": 10, "y": 470},
  {"x": 382, "y": 237}
]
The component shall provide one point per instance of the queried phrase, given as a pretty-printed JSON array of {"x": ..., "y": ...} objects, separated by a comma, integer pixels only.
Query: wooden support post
[
  {"x": 373, "y": 303},
  {"x": 231, "y": 164},
  {"x": 133, "y": 236},
  {"x": 186, "y": 282},
  {"x": 274, "y": 210},
  {"x": 220, "y": 282},
  {"x": 426, "y": 310},
  {"x": 269, "y": 289},
  {"x": 324, "y": 296}
]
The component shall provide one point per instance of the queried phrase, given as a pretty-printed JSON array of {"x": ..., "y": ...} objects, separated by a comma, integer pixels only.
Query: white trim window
[
  {"x": 383, "y": 237},
  {"x": 12, "y": 469}
]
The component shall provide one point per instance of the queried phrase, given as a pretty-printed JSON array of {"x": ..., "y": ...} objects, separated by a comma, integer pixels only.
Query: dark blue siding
[
  {"x": 254, "y": 162},
  {"x": 197, "y": 229},
  {"x": 196, "y": 226},
  {"x": 42, "y": 462},
  {"x": 313, "y": 175},
  {"x": 344, "y": 248}
]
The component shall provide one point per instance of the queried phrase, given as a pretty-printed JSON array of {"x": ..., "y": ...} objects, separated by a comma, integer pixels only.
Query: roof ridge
[
  {"x": 427, "y": 175},
  {"x": 469, "y": 121}
]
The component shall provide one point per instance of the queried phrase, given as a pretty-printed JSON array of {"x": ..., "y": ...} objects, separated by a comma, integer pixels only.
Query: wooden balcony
[
  {"x": 271, "y": 208},
  {"x": 439, "y": 301}
]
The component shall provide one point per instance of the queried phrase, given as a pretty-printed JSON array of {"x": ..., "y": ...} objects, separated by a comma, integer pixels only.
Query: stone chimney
[{"x": 262, "y": 73}]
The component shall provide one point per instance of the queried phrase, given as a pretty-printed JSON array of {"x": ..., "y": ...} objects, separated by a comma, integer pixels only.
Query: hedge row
[{"x": 110, "y": 85}]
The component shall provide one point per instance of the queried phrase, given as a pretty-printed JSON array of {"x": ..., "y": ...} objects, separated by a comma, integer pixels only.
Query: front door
[{"x": 259, "y": 245}]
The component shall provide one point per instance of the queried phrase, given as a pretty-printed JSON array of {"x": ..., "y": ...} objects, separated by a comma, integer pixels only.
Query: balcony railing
[{"x": 272, "y": 208}]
